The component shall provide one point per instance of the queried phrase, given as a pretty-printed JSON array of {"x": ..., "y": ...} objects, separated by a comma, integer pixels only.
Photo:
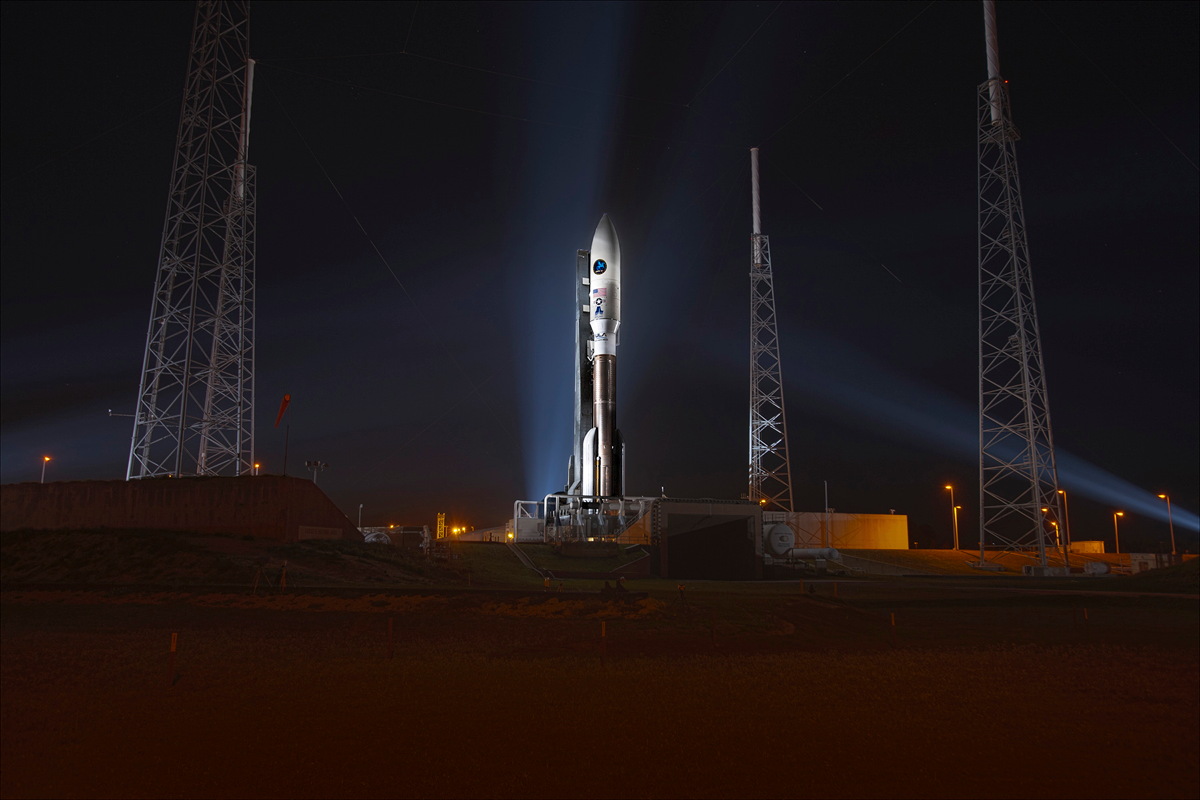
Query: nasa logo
[{"x": 599, "y": 266}]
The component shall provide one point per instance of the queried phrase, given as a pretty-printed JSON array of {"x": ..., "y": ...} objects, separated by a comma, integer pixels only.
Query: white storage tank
[{"x": 778, "y": 539}]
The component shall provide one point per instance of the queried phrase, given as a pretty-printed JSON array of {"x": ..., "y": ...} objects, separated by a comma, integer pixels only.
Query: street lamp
[
  {"x": 360, "y": 505},
  {"x": 954, "y": 512},
  {"x": 1170, "y": 522},
  {"x": 316, "y": 466},
  {"x": 45, "y": 461},
  {"x": 1116, "y": 532},
  {"x": 1066, "y": 518},
  {"x": 256, "y": 466},
  {"x": 1058, "y": 541}
]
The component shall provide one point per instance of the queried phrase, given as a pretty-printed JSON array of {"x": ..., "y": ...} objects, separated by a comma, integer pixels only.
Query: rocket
[{"x": 602, "y": 448}]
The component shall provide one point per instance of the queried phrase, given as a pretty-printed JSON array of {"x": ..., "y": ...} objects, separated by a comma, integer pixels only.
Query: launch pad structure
[
  {"x": 708, "y": 538},
  {"x": 1019, "y": 502},
  {"x": 195, "y": 405},
  {"x": 770, "y": 482},
  {"x": 704, "y": 538}
]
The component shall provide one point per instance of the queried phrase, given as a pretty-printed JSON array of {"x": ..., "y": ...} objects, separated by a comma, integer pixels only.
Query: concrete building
[{"x": 263, "y": 506}]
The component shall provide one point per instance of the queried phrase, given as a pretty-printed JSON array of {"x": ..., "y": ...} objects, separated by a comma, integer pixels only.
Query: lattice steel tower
[
  {"x": 770, "y": 477},
  {"x": 195, "y": 408},
  {"x": 1017, "y": 474}
]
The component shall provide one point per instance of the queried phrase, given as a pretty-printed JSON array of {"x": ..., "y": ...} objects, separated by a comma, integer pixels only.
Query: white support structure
[
  {"x": 770, "y": 475},
  {"x": 1018, "y": 479},
  {"x": 195, "y": 407}
]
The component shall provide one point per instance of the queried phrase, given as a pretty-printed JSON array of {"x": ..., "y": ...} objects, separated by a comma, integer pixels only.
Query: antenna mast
[
  {"x": 770, "y": 478},
  {"x": 195, "y": 408},
  {"x": 1017, "y": 473}
]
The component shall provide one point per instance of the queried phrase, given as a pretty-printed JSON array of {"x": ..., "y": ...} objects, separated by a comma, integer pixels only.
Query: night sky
[{"x": 478, "y": 145}]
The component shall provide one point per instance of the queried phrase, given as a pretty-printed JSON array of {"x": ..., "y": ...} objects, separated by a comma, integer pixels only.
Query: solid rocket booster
[{"x": 605, "y": 322}]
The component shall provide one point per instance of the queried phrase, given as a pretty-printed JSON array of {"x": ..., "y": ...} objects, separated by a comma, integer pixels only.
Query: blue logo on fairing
[{"x": 599, "y": 266}]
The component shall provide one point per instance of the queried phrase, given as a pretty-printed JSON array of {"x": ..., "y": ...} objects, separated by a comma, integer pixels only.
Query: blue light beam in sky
[
  {"x": 562, "y": 172},
  {"x": 833, "y": 374}
]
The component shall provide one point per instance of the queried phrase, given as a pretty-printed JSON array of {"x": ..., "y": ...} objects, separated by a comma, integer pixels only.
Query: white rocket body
[
  {"x": 606, "y": 288},
  {"x": 602, "y": 448}
]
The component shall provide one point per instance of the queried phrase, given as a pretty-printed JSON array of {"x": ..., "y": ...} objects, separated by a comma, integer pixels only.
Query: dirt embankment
[{"x": 117, "y": 557}]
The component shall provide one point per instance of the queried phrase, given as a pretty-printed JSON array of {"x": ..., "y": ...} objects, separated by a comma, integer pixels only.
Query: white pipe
[
  {"x": 823, "y": 552},
  {"x": 754, "y": 190},
  {"x": 249, "y": 106},
  {"x": 244, "y": 133},
  {"x": 993, "y": 58}
]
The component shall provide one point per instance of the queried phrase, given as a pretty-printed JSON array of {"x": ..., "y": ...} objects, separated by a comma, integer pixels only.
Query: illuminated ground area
[{"x": 745, "y": 690}]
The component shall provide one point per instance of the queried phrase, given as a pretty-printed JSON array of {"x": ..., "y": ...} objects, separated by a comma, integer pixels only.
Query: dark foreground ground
[{"x": 745, "y": 691}]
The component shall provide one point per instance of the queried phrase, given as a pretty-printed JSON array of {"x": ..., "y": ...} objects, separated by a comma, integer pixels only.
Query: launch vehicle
[{"x": 597, "y": 464}]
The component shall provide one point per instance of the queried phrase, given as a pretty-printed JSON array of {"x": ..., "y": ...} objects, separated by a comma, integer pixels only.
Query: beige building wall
[{"x": 845, "y": 531}]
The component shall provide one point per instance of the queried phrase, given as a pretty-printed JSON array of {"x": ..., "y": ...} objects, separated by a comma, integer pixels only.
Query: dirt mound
[
  {"x": 124, "y": 557},
  {"x": 117, "y": 557}
]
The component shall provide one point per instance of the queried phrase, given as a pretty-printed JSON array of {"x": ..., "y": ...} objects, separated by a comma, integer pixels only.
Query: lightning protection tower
[
  {"x": 195, "y": 408},
  {"x": 1018, "y": 480},
  {"x": 770, "y": 477}
]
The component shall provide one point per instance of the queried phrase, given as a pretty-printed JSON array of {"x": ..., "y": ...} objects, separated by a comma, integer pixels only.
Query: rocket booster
[{"x": 605, "y": 322}]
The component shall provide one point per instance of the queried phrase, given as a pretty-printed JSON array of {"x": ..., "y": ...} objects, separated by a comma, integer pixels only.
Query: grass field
[{"x": 433, "y": 688}]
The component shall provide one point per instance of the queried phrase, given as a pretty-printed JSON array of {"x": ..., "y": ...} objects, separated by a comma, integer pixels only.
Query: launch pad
[{"x": 686, "y": 538}]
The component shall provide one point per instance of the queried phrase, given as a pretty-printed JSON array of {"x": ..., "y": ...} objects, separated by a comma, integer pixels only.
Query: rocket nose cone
[{"x": 605, "y": 239}]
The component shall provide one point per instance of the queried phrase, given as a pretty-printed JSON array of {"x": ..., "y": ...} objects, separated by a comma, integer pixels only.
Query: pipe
[
  {"x": 239, "y": 180},
  {"x": 754, "y": 190},
  {"x": 993, "y": 58},
  {"x": 830, "y": 553}
]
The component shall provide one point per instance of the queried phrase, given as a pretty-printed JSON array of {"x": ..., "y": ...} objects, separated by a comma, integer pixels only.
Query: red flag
[{"x": 287, "y": 398}]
